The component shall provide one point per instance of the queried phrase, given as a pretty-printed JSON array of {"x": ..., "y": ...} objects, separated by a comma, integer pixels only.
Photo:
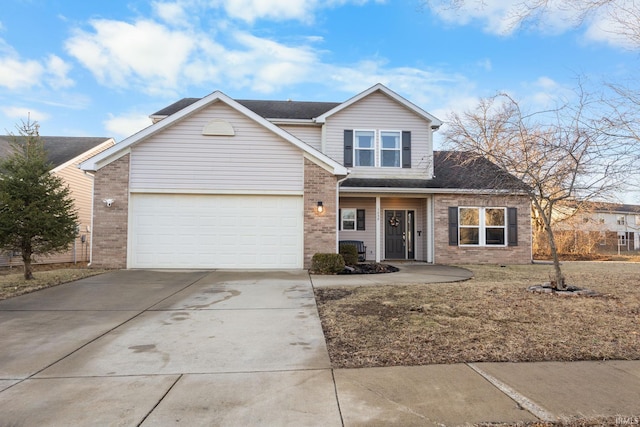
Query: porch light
[{"x": 320, "y": 207}]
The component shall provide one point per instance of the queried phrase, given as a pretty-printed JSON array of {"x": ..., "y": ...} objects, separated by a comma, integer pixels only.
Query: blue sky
[{"x": 100, "y": 68}]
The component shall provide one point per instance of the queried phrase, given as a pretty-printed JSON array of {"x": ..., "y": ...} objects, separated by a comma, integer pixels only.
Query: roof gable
[
  {"x": 435, "y": 123},
  {"x": 191, "y": 107}
]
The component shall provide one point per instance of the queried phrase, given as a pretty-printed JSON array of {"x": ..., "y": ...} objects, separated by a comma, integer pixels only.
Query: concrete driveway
[
  {"x": 222, "y": 348},
  {"x": 159, "y": 347}
]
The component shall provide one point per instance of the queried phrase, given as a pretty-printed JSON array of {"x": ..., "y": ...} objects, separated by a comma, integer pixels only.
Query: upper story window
[
  {"x": 390, "y": 149},
  {"x": 621, "y": 220},
  {"x": 377, "y": 148},
  {"x": 364, "y": 148}
]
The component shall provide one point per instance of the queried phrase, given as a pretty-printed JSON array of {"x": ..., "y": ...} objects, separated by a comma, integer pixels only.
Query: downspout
[
  {"x": 93, "y": 195},
  {"x": 340, "y": 181}
]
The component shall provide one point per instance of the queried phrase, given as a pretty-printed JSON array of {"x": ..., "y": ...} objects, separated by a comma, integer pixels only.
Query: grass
[
  {"x": 490, "y": 318},
  {"x": 12, "y": 281}
]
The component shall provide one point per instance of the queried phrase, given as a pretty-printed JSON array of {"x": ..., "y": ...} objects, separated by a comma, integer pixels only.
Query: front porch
[{"x": 398, "y": 227}]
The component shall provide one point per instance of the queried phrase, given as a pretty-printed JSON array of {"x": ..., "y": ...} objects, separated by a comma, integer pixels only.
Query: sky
[{"x": 85, "y": 68}]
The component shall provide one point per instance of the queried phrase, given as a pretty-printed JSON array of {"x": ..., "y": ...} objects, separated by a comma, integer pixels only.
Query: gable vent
[{"x": 218, "y": 127}]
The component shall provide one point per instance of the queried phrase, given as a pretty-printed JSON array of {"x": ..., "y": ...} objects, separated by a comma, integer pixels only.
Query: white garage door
[{"x": 207, "y": 231}]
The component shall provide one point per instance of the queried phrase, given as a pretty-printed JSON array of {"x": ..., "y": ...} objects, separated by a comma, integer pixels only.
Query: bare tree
[
  {"x": 623, "y": 16},
  {"x": 561, "y": 155}
]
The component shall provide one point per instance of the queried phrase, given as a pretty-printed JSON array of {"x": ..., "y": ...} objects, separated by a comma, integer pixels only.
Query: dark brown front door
[{"x": 395, "y": 237}]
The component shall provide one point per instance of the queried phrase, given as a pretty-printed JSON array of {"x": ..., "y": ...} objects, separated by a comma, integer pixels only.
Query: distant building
[{"x": 602, "y": 227}]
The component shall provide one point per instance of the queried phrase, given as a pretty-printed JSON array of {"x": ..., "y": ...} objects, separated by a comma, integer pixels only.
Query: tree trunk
[
  {"x": 26, "y": 261},
  {"x": 558, "y": 283}
]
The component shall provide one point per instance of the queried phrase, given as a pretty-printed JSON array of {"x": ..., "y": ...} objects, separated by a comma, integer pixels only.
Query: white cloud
[
  {"x": 57, "y": 71},
  {"x": 126, "y": 124},
  {"x": 172, "y": 13},
  {"x": 24, "y": 113},
  {"x": 147, "y": 52},
  {"x": 279, "y": 10},
  {"x": 19, "y": 74}
]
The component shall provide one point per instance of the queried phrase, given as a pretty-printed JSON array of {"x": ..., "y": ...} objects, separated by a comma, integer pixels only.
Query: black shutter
[
  {"x": 339, "y": 219},
  {"x": 348, "y": 148},
  {"x": 453, "y": 226},
  {"x": 512, "y": 228},
  {"x": 360, "y": 219},
  {"x": 406, "y": 149}
]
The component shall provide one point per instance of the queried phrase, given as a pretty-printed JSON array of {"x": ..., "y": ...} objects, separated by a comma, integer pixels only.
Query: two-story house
[{"x": 223, "y": 183}]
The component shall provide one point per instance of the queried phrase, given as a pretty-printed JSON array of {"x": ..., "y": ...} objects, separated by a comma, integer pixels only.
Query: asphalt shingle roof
[
  {"x": 301, "y": 110},
  {"x": 452, "y": 170},
  {"x": 60, "y": 149}
]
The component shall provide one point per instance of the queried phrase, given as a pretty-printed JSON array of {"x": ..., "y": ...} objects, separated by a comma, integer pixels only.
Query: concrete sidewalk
[
  {"x": 232, "y": 348},
  {"x": 410, "y": 273}
]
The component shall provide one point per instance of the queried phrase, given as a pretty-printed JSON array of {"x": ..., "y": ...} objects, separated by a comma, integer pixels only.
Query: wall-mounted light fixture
[
  {"x": 320, "y": 207},
  {"x": 108, "y": 202}
]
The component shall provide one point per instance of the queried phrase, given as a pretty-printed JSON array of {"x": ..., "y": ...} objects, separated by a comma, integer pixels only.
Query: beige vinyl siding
[
  {"x": 379, "y": 112},
  {"x": 181, "y": 158},
  {"x": 368, "y": 235},
  {"x": 311, "y": 135}
]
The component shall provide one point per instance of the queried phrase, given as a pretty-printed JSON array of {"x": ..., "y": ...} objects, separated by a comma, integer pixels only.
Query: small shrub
[
  {"x": 350, "y": 254},
  {"x": 327, "y": 263}
]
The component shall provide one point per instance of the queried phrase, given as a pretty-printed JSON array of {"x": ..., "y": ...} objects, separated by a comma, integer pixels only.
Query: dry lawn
[
  {"x": 12, "y": 281},
  {"x": 488, "y": 318}
]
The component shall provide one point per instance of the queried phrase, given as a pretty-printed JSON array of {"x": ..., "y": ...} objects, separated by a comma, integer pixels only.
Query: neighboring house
[
  {"x": 223, "y": 183},
  {"x": 65, "y": 155},
  {"x": 610, "y": 226}
]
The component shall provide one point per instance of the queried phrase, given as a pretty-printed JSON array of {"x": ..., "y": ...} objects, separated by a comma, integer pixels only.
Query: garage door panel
[{"x": 205, "y": 231}]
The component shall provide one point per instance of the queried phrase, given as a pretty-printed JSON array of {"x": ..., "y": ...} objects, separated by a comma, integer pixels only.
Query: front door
[{"x": 395, "y": 237}]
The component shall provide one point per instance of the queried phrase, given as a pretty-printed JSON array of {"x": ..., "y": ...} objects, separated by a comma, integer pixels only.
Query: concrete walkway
[{"x": 158, "y": 348}]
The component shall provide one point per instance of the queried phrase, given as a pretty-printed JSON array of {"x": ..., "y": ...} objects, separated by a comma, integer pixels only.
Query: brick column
[
  {"x": 320, "y": 234},
  {"x": 110, "y": 224}
]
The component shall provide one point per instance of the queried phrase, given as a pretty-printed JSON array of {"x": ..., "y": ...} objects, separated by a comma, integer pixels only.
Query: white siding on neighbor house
[
  {"x": 311, "y": 135},
  {"x": 379, "y": 112},
  {"x": 181, "y": 158}
]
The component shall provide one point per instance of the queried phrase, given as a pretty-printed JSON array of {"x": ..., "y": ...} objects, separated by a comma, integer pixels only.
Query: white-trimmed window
[
  {"x": 620, "y": 219},
  {"x": 622, "y": 239},
  {"x": 377, "y": 148},
  {"x": 482, "y": 226},
  {"x": 364, "y": 147},
  {"x": 390, "y": 149},
  {"x": 352, "y": 219}
]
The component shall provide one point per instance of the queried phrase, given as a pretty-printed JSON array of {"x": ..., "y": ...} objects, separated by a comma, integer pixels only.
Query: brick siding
[
  {"x": 319, "y": 228},
  {"x": 110, "y": 224},
  {"x": 445, "y": 254}
]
